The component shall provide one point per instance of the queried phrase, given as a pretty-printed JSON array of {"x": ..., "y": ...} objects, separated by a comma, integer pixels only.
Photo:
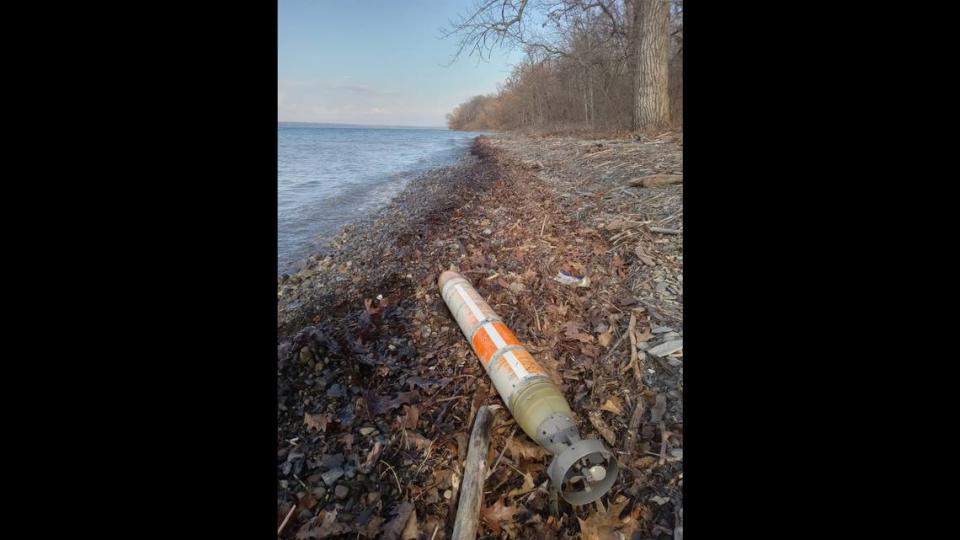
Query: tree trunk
[{"x": 652, "y": 76}]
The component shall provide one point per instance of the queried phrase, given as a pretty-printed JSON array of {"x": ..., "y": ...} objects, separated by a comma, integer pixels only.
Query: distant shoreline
[{"x": 353, "y": 126}]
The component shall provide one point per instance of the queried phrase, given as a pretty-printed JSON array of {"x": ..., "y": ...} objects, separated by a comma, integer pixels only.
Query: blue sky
[{"x": 376, "y": 62}]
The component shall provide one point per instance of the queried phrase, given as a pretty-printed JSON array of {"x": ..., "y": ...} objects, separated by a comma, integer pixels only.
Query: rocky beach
[{"x": 378, "y": 389}]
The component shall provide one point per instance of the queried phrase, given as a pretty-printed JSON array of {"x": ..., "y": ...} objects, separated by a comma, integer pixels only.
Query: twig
[
  {"x": 543, "y": 226},
  {"x": 286, "y": 519},
  {"x": 395, "y": 477},
  {"x": 502, "y": 450},
  {"x": 661, "y": 230},
  {"x": 664, "y": 435}
]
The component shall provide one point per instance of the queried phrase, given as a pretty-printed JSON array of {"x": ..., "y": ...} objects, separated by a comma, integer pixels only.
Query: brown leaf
[
  {"x": 418, "y": 441},
  {"x": 614, "y": 405},
  {"x": 608, "y": 525},
  {"x": 642, "y": 255},
  {"x": 520, "y": 449},
  {"x": 605, "y": 338},
  {"x": 324, "y": 525},
  {"x": 584, "y": 338},
  {"x": 498, "y": 513},
  {"x": 412, "y": 530},
  {"x": 571, "y": 329},
  {"x": 413, "y": 416},
  {"x": 316, "y": 421},
  {"x": 395, "y": 527},
  {"x": 527, "y": 486}
]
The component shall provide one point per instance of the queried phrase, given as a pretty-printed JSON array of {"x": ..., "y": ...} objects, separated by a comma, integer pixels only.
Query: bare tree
[{"x": 580, "y": 53}]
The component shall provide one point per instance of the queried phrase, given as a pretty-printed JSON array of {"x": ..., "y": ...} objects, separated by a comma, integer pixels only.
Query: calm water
[{"x": 329, "y": 176}]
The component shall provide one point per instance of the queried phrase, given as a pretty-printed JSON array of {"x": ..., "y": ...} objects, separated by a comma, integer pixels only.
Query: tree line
[{"x": 588, "y": 64}]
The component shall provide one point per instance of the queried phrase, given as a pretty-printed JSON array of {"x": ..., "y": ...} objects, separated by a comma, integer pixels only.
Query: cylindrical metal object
[{"x": 583, "y": 470}]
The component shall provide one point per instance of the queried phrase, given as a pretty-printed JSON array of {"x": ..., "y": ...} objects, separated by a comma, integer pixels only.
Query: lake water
[{"x": 330, "y": 176}]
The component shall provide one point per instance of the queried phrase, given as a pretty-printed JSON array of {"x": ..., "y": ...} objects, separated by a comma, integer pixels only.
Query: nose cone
[{"x": 447, "y": 276}]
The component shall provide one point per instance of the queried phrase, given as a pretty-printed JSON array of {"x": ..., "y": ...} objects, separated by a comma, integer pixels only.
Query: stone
[
  {"x": 336, "y": 391},
  {"x": 674, "y": 361},
  {"x": 332, "y": 476},
  {"x": 366, "y": 431},
  {"x": 372, "y": 498},
  {"x": 666, "y": 348},
  {"x": 341, "y": 492}
]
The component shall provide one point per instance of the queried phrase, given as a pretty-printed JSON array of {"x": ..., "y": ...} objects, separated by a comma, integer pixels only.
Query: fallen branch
[
  {"x": 286, "y": 519},
  {"x": 631, "y": 441},
  {"x": 656, "y": 180},
  {"x": 661, "y": 230},
  {"x": 474, "y": 474}
]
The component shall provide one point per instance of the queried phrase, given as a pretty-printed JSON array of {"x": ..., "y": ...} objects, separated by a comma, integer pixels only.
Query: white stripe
[
  {"x": 470, "y": 303},
  {"x": 516, "y": 365},
  {"x": 495, "y": 336}
]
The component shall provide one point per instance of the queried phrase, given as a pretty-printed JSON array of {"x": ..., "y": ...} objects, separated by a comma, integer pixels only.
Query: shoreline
[{"x": 372, "y": 370}]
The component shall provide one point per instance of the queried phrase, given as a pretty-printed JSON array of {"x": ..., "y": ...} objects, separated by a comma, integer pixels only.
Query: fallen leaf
[
  {"x": 642, "y": 255},
  {"x": 527, "y": 486},
  {"x": 395, "y": 527},
  {"x": 316, "y": 421},
  {"x": 498, "y": 513},
  {"x": 614, "y": 405},
  {"x": 585, "y": 338},
  {"x": 608, "y": 525},
  {"x": 520, "y": 449},
  {"x": 413, "y": 416},
  {"x": 418, "y": 441},
  {"x": 324, "y": 525},
  {"x": 571, "y": 329},
  {"x": 605, "y": 338},
  {"x": 412, "y": 530}
]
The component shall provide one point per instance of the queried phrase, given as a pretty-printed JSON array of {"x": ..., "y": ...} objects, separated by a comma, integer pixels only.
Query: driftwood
[
  {"x": 474, "y": 474},
  {"x": 655, "y": 180}
]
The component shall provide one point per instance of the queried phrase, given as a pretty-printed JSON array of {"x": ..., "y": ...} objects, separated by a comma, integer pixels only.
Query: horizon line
[{"x": 348, "y": 124}]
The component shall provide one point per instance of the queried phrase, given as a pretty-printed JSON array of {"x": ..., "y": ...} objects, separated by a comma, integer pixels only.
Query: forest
[{"x": 597, "y": 65}]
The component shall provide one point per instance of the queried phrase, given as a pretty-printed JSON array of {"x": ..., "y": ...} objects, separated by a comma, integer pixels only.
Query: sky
[{"x": 377, "y": 62}]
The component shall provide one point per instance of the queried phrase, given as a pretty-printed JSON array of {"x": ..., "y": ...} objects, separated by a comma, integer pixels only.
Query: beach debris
[
  {"x": 667, "y": 348},
  {"x": 569, "y": 279}
]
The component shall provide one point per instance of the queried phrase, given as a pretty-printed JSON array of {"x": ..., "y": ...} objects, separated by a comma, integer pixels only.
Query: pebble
[
  {"x": 332, "y": 476},
  {"x": 662, "y": 330},
  {"x": 335, "y": 391},
  {"x": 487, "y": 231},
  {"x": 350, "y": 471},
  {"x": 676, "y": 453},
  {"x": 365, "y": 431},
  {"x": 372, "y": 498},
  {"x": 447, "y": 494},
  {"x": 306, "y": 356},
  {"x": 669, "y": 347},
  {"x": 319, "y": 492},
  {"x": 341, "y": 492}
]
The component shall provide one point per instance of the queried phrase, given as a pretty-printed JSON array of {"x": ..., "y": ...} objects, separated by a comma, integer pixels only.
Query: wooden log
[
  {"x": 656, "y": 180},
  {"x": 474, "y": 474}
]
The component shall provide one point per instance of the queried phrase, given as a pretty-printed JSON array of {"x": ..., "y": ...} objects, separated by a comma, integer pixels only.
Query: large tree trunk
[{"x": 652, "y": 76}]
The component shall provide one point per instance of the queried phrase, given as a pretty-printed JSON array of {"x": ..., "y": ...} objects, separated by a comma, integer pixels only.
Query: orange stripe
[
  {"x": 483, "y": 346},
  {"x": 506, "y": 334}
]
